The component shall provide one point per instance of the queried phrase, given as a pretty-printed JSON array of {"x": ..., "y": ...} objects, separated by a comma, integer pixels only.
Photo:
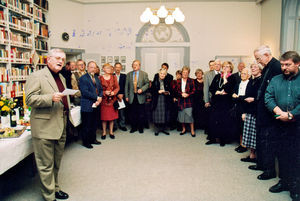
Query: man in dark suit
[
  {"x": 91, "y": 97},
  {"x": 122, "y": 80},
  {"x": 237, "y": 75},
  {"x": 264, "y": 119},
  {"x": 137, "y": 83},
  {"x": 48, "y": 121}
]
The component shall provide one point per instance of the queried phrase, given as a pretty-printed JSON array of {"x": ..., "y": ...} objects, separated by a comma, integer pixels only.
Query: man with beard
[{"x": 283, "y": 99}]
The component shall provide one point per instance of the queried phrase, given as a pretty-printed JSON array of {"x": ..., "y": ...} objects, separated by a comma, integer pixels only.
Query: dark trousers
[
  {"x": 89, "y": 126},
  {"x": 137, "y": 114},
  {"x": 287, "y": 144},
  {"x": 265, "y": 149}
]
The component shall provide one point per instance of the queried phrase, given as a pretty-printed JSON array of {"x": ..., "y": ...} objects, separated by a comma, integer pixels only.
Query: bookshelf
[{"x": 23, "y": 42}]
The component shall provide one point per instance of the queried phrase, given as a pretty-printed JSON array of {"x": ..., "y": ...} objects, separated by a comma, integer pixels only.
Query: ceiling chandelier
[{"x": 169, "y": 14}]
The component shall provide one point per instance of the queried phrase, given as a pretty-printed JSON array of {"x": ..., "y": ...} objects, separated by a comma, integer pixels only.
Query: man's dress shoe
[
  {"x": 96, "y": 142},
  {"x": 61, "y": 195},
  {"x": 209, "y": 142},
  {"x": 255, "y": 167},
  {"x": 279, "y": 187},
  {"x": 133, "y": 130},
  {"x": 141, "y": 130},
  {"x": 241, "y": 150},
  {"x": 123, "y": 128},
  {"x": 266, "y": 176},
  {"x": 89, "y": 146}
]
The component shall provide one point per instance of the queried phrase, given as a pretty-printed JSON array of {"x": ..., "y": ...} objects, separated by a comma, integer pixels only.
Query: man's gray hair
[
  {"x": 52, "y": 51},
  {"x": 264, "y": 49}
]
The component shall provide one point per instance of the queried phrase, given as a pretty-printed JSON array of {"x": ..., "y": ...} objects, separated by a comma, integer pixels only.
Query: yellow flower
[
  {"x": 5, "y": 109},
  {"x": 1, "y": 103}
]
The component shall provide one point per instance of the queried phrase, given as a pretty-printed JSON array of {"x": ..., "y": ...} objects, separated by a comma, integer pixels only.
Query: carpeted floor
[{"x": 144, "y": 167}]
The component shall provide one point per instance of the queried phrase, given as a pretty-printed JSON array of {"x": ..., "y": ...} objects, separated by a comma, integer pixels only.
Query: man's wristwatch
[{"x": 290, "y": 116}]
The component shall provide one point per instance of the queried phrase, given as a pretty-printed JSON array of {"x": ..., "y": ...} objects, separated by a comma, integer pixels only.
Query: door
[{"x": 153, "y": 57}]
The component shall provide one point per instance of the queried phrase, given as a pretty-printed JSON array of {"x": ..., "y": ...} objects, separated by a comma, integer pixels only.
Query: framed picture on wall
[
  {"x": 124, "y": 68},
  {"x": 116, "y": 59},
  {"x": 103, "y": 59},
  {"x": 110, "y": 59},
  {"x": 123, "y": 59}
]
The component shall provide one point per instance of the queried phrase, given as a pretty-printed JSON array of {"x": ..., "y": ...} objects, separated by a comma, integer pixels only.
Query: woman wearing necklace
[
  {"x": 198, "y": 102},
  {"x": 221, "y": 89},
  {"x": 185, "y": 89},
  {"x": 111, "y": 87}
]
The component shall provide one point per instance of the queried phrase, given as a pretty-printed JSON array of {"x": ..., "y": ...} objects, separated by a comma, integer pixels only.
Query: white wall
[
  {"x": 270, "y": 25},
  {"x": 215, "y": 28},
  {"x": 65, "y": 16}
]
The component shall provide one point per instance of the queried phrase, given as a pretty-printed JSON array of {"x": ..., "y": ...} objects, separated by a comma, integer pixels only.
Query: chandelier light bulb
[
  {"x": 162, "y": 12},
  {"x": 154, "y": 19},
  {"x": 145, "y": 17},
  {"x": 169, "y": 19},
  {"x": 180, "y": 18}
]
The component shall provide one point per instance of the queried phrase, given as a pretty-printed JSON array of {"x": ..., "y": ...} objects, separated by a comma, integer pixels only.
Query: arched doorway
[{"x": 156, "y": 44}]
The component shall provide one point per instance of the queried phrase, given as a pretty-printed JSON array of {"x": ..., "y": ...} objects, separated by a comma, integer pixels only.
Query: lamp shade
[
  {"x": 154, "y": 19},
  {"x": 169, "y": 19},
  {"x": 162, "y": 12}
]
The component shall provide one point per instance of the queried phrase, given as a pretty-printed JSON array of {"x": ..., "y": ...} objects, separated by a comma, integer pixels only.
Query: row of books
[
  {"x": 39, "y": 15},
  {"x": 3, "y": 74},
  {"x": 19, "y": 56},
  {"x": 42, "y": 3},
  {"x": 19, "y": 6},
  {"x": 21, "y": 40},
  {"x": 20, "y": 23},
  {"x": 3, "y": 36},
  {"x": 20, "y": 73},
  {"x": 41, "y": 29},
  {"x": 16, "y": 89},
  {"x": 41, "y": 45},
  {"x": 42, "y": 59},
  {"x": 3, "y": 54}
]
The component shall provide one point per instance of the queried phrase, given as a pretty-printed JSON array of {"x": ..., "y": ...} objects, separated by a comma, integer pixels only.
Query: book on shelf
[
  {"x": 20, "y": 23},
  {"x": 4, "y": 74},
  {"x": 40, "y": 29},
  {"x": 4, "y": 88},
  {"x": 41, "y": 45},
  {"x": 42, "y": 3},
  {"x": 3, "y": 36},
  {"x": 20, "y": 40},
  {"x": 3, "y": 54},
  {"x": 2, "y": 15}
]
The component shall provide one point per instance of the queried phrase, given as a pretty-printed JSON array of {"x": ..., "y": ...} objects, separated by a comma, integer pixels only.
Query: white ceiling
[{"x": 142, "y": 1}]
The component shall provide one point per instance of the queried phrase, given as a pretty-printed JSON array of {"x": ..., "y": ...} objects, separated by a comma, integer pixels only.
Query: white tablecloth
[{"x": 14, "y": 150}]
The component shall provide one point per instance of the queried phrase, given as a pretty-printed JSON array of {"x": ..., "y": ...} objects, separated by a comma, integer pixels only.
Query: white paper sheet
[
  {"x": 69, "y": 92},
  {"x": 121, "y": 104}
]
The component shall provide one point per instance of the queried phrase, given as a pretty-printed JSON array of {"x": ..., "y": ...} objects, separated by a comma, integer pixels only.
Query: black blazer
[
  {"x": 168, "y": 78},
  {"x": 154, "y": 91},
  {"x": 122, "y": 81},
  {"x": 264, "y": 117}
]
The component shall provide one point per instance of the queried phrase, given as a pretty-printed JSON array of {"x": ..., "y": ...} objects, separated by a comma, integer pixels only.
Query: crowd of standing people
[{"x": 258, "y": 107}]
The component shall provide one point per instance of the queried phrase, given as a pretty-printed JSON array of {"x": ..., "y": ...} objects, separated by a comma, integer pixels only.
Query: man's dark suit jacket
[
  {"x": 264, "y": 117},
  {"x": 122, "y": 81},
  {"x": 168, "y": 79},
  {"x": 88, "y": 92}
]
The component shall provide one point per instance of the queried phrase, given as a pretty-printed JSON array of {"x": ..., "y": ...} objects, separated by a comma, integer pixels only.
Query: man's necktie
[{"x": 135, "y": 83}]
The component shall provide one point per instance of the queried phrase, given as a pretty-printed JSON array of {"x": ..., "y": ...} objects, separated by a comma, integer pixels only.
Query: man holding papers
[
  {"x": 50, "y": 108},
  {"x": 91, "y": 97}
]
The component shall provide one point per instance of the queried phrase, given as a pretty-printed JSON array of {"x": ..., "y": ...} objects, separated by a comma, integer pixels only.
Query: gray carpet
[{"x": 144, "y": 167}]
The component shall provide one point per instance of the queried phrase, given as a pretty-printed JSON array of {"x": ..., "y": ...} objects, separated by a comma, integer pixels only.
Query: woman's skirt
[
  {"x": 186, "y": 115},
  {"x": 249, "y": 132},
  {"x": 160, "y": 115}
]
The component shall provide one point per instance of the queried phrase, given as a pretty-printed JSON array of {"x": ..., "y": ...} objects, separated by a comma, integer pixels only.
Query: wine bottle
[{"x": 13, "y": 118}]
